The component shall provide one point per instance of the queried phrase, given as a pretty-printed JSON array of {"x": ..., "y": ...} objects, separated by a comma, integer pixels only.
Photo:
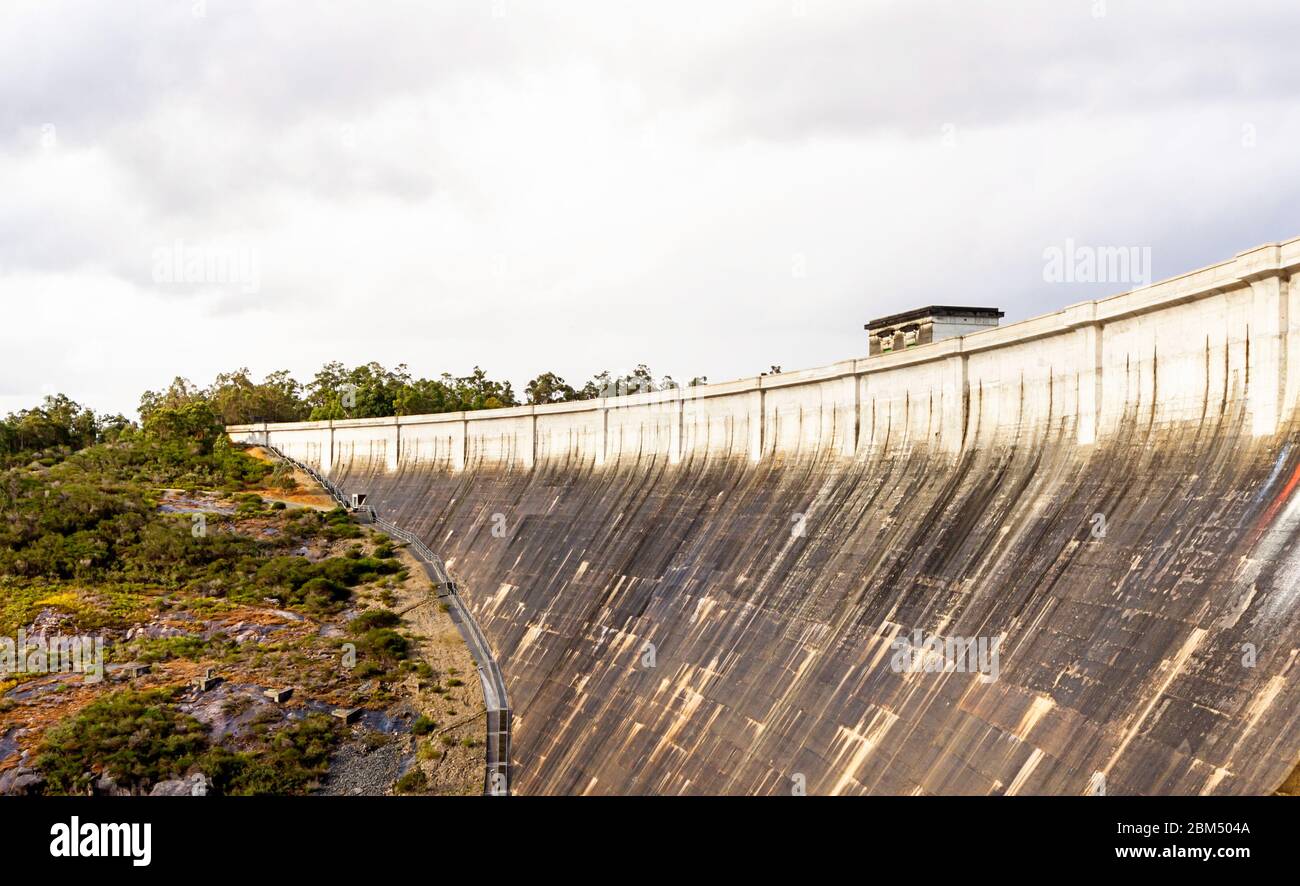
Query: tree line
[
  {"x": 58, "y": 423},
  {"x": 374, "y": 391},
  {"x": 191, "y": 417}
]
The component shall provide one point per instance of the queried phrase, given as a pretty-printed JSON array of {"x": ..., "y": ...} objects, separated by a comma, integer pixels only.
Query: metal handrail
[{"x": 496, "y": 779}]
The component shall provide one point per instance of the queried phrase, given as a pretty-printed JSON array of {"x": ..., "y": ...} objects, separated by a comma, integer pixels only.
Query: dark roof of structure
[{"x": 933, "y": 311}]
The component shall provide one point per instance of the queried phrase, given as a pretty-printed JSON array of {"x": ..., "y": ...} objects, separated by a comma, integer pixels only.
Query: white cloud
[{"x": 707, "y": 188}]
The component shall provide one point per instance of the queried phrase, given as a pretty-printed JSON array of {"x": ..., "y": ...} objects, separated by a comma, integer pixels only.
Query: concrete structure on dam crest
[{"x": 707, "y": 589}]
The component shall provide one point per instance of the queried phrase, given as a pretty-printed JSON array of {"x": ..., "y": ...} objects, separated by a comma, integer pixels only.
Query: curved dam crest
[{"x": 707, "y": 590}]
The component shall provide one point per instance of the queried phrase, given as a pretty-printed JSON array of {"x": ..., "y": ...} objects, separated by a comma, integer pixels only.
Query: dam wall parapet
[{"x": 1170, "y": 349}]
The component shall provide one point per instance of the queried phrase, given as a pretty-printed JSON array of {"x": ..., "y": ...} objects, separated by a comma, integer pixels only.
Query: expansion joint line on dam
[{"x": 496, "y": 778}]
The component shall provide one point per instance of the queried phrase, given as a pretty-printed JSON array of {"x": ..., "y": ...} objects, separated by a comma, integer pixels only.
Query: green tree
[
  {"x": 193, "y": 427},
  {"x": 601, "y": 385},
  {"x": 238, "y": 400},
  {"x": 606, "y": 384},
  {"x": 112, "y": 427},
  {"x": 426, "y": 396},
  {"x": 57, "y": 422},
  {"x": 368, "y": 391},
  {"x": 181, "y": 392},
  {"x": 477, "y": 391},
  {"x": 549, "y": 388}
]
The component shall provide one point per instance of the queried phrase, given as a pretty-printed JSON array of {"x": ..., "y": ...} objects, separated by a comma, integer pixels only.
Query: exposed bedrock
[{"x": 706, "y": 593}]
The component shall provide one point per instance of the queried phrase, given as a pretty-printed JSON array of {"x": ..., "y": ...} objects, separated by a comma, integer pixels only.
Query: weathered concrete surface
[{"x": 772, "y": 539}]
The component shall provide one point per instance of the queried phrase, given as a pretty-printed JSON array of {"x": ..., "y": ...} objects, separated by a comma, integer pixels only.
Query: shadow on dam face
[{"x": 724, "y": 626}]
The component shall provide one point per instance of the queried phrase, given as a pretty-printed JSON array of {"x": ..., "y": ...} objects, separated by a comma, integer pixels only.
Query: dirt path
[
  {"x": 451, "y": 754},
  {"x": 452, "y": 698},
  {"x": 306, "y": 493}
]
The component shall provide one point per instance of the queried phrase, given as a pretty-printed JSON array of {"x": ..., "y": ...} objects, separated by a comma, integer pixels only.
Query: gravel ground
[{"x": 359, "y": 770}]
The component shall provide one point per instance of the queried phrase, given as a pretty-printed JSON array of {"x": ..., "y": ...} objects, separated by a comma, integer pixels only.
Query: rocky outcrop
[
  {"x": 196, "y": 785},
  {"x": 21, "y": 781}
]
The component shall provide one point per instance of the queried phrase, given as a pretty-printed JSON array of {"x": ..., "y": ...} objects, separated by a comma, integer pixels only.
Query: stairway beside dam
[{"x": 708, "y": 590}]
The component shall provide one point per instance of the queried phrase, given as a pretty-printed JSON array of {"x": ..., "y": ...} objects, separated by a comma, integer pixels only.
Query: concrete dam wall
[{"x": 710, "y": 590}]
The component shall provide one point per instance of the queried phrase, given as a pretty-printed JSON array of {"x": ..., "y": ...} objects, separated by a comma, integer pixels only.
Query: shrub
[
  {"x": 165, "y": 648},
  {"x": 339, "y": 524},
  {"x": 292, "y": 760},
  {"x": 354, "y": 571},
  {"x": 320, "y": 594},
  {"x": 319, "y": 586},
  {"x": 374, "y": 618},
  {"x": 135, "y": 737},
  {"x": 412, "y": 782},
  {"x": 282, "y": 478},
  {"x": 290, "y": 572},
  {"x": 384, "y": 644}
]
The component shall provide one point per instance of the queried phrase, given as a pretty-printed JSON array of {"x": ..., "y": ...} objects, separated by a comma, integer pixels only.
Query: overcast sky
[{"x": 706, "y": 187}]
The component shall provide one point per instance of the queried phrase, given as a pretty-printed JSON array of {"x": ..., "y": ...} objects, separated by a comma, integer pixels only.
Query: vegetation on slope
[{"x": 158, "y": 540}]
